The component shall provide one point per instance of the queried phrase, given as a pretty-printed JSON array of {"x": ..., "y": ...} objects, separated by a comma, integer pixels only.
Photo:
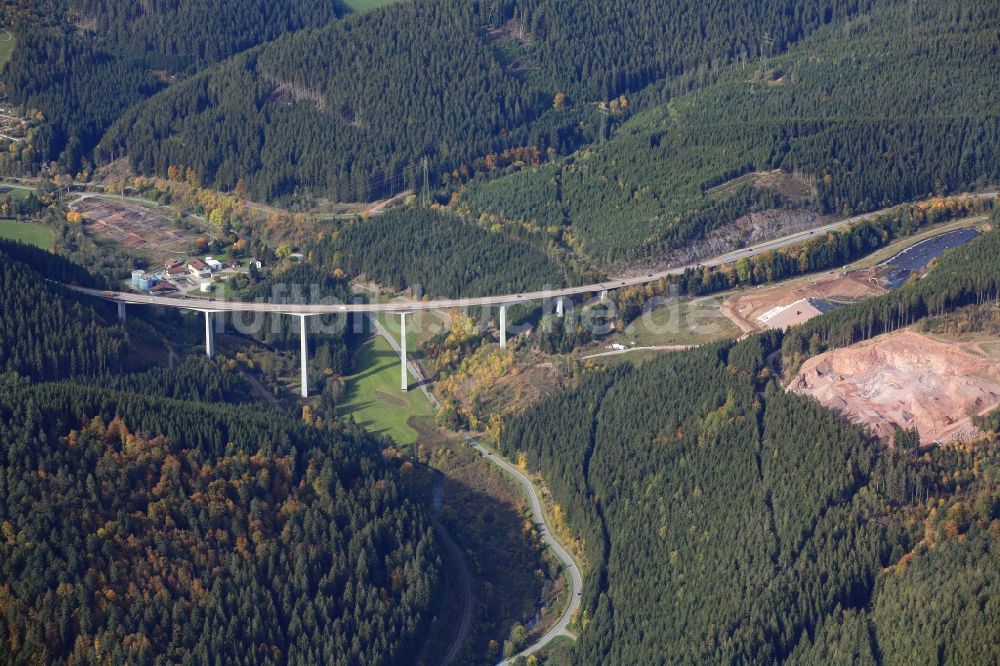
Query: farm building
[
  {"x": 164, "y": 287},
  {"x": 198, "y": 268},
  {"x": 214, "y": 264}
]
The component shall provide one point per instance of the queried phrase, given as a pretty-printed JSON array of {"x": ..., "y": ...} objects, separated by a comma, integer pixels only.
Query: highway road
[{"x": 212, "y": 305}]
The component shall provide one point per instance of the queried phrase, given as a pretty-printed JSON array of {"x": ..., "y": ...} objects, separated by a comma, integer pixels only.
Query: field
[
  {"x": 365, "y": 5},
  {"x": 6, "y": 46},
  {"x": 373, "y": 396},
  {"x": 33, "y": 234},
  {"x": 15, "y": 191},
  {"x": 419, "y": 326},
  {"x": 667, "y": 327}
]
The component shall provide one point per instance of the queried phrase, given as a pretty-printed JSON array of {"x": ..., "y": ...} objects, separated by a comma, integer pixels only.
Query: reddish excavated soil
[
  {"x": 904, "y": 379},
  {"x": 745, "y": 308}
]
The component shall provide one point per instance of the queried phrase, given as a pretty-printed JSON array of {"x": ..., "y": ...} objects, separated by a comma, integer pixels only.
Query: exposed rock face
[{"x": 903, "y": 379}]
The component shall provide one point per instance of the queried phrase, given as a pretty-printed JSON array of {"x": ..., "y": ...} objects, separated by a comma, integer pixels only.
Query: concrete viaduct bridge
[
  {"x": 211, "y": 307},
  {"x": 561, "y": 296}
]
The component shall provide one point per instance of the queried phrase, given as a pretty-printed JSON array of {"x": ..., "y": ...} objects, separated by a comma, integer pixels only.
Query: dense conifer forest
[
  {"x": 847, "y": 103},
  {"x": 140, "y": 523},
  {"x": 48, "y": 332},
  {"x": 727, "y": 521},
  {"x": 81, "y": 63},
  {"x": 161, "y": 515},
  {"x": 440, "y": 254},
  {"x": 857, "y": 117},
  {"x": 349, "y": 110}
]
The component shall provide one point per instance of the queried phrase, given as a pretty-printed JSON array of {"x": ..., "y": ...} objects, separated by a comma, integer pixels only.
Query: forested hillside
[
  {"x": 222, "y": 533},
  {"x": 857, "y": 116},
  {"x": 347, "y": 110},
  {"x": 440, "y": 254},
  {"x": 81, "y": 63},
  {"x": 729, "y": 522},
  {"x": 178, "y": 34},
  {"x": 141, "y": 523},
  {"x": 47, "y": 332}
]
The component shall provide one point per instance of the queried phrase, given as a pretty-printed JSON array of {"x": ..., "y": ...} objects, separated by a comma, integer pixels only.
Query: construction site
[{"x": 796, "y": 301}]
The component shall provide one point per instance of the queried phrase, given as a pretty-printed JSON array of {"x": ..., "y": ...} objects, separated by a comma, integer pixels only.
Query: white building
[{"x": 198, "y": 268}]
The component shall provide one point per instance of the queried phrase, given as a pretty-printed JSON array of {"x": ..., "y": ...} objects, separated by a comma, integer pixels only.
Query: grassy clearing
[
  {"x": 6, "y": 46},
  {"x": 637, "y": 357},
  {"x": 690, "y": 322},
  {"x": 374, "y": 399},
  {"x": 359, "y": 6},
  {"x": 33, "y": 234},
  {"x": 391, "y": 324},
  {"x": 15, "y": 191}
]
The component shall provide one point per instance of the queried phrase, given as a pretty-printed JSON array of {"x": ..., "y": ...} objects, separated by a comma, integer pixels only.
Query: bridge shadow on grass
[
  {"x": 373, "y": 397},
  {"x": 375, "y": 362}
]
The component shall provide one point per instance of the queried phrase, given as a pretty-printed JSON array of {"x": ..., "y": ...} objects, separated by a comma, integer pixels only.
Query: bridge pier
[
  {"x": 404, "y": 384},
  {"x": 503, "y": 327},
  {"x": 559, "y": 306},
  {"x": 604, "y": 295},
  {"x": 304, "y": 352},
  {"x": 121, "y": 311},
  {"x": 209, "y": 335}
]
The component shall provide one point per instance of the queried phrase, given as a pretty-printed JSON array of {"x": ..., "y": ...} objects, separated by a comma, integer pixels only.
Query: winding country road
[
  {"x": 561, "y": 627},
  {"x": 576, "y": 588},
  {"x": 454, "y": 553}
]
